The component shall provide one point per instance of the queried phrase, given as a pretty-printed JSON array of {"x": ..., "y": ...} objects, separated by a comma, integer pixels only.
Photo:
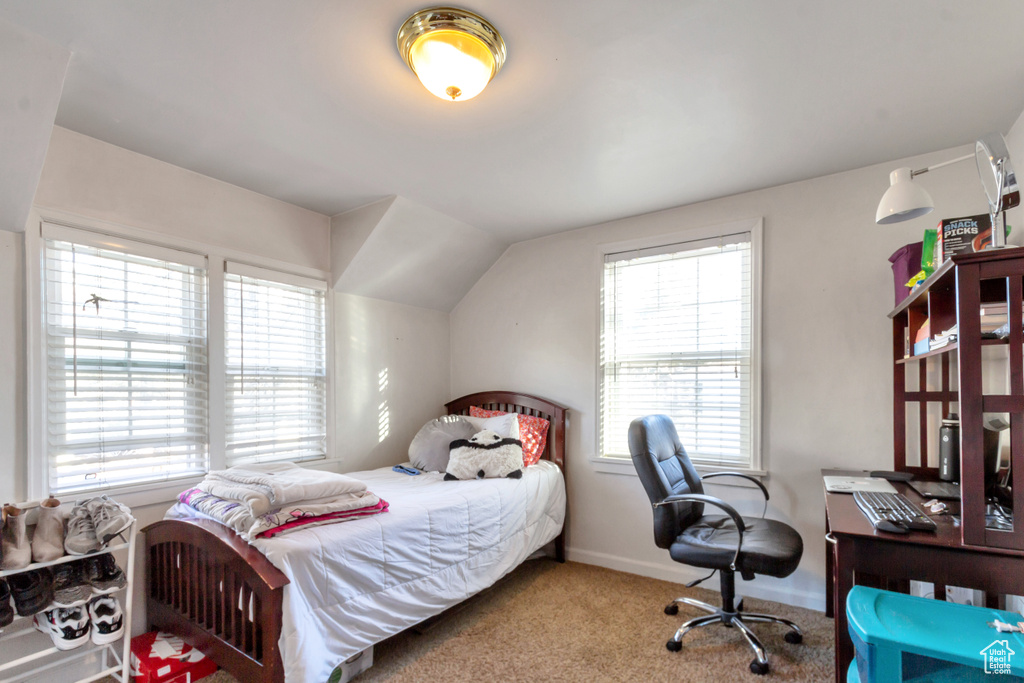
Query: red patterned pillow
[{"x": 533, "y": 432}]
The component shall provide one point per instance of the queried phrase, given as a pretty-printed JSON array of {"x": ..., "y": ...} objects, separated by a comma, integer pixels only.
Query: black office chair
[{"x": 728, "y": 543}]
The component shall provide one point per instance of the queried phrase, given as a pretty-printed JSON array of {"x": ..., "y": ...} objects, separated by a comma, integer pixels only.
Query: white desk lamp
[{"x": 905, "y": 200}]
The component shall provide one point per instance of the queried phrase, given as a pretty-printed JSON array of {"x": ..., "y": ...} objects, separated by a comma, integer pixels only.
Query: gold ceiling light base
[{"x": 454, "y": 52}]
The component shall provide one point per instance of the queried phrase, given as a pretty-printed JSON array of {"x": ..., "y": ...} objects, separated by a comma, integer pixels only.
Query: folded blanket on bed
[
  {"x": 257, "y": 502},
  {"x": 329, "y": 518},
  {"x": 267, "y": 486},
  {"x": 238, "y": 516}
]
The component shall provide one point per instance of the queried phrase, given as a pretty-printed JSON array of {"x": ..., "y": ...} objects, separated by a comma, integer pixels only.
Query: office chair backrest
[{"x": 664, "y": 470}]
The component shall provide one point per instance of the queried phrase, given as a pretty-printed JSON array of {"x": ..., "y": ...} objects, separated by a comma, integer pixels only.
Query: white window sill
[
  {"x": 138, "y": 496},
  {"x": 625, "y": 467}
]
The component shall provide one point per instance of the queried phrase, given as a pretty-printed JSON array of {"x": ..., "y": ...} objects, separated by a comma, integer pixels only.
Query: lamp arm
[{"x": 944, "y": 163}]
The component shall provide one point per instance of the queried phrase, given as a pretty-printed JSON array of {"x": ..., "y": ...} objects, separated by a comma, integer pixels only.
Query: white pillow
[{"x": 505, "y": 426}]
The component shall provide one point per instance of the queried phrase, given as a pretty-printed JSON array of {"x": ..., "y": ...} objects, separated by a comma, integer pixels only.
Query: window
[
  {"x": 276, "y": 368},
  {"x": 158, "y": 363},
  {"x": 679, "y": 337},
  {"x": 126, "y": 364}
]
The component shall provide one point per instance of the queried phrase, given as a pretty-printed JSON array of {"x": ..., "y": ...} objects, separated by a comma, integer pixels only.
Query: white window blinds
[
  {"x": 276, "y": 402},
  {"x": 676, "y": 340},
  {"x": 126, "y": 362}
]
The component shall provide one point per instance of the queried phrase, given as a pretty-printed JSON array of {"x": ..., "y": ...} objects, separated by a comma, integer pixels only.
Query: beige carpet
[{"x": 576, "y": 622}]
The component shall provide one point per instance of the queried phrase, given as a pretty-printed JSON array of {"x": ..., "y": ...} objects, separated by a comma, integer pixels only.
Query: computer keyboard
[{"x": 892, "y": 512}]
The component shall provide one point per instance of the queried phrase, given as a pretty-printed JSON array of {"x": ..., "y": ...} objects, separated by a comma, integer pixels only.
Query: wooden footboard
[{"x": 207, "y": 585}]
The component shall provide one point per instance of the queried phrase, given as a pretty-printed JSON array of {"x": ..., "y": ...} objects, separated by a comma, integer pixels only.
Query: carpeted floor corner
[{"x": 574, "y": 622}]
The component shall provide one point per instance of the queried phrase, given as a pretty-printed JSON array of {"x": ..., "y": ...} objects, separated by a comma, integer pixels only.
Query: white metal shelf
[
  {"x": 64, "y": 559},
  {"x": 111, "y": 662},
  {"x": 107, "y": 653}
]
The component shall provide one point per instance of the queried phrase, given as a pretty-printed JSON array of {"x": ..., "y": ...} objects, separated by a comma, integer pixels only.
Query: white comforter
[{"x": 356, "y": 583}]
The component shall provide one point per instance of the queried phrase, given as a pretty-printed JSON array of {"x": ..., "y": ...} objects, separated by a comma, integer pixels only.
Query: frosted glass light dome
[{"x": 453, "y": 52}]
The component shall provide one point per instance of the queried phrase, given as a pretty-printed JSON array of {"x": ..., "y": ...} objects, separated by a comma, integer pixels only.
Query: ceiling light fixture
[
  {"x": 454, "y": 52},
  {"x": 905, "y": 200}
]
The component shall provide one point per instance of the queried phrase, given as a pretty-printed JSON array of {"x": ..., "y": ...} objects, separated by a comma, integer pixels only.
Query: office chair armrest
[
  {"x": 738, "y": 474},
  {"x": 711, "y": 500}
]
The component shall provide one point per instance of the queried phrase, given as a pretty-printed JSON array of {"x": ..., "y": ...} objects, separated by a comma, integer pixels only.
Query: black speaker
[{"x": 949, "y": 449}]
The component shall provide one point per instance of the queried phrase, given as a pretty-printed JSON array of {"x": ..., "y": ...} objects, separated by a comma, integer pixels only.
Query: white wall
[
  {"x": 531, "y": 324},
  {"x": 409, "y": 253},
  {"x": 1015, "y": 143},
  {"x": 91, "y": 178},
  {"x": 31, "y": 80},
  {"x": 12, "y": 367},
  {"x": 392, "y": 374}
]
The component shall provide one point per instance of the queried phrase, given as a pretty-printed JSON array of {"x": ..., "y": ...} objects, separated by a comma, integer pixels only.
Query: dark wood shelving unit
[{"x": 955, "y": 294}]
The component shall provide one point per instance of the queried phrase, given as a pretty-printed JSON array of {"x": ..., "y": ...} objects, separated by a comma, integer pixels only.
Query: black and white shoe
[
  {"x": 107, "y": 619},
  {"x": 68, "y": 628}
]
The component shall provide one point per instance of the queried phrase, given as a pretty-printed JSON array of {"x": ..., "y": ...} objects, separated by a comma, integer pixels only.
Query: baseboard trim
[{"x": 759, "y": 588}]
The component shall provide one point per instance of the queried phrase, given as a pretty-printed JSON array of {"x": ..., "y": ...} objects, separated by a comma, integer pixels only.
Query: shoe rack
[{"x": 28, "y": 655}]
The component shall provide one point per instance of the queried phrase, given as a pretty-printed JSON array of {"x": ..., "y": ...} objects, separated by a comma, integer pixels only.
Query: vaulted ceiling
[{"x": 604, "y": 109}]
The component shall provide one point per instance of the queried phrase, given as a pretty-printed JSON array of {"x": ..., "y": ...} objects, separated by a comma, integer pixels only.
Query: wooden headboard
[{"x": 524, "y": 404}]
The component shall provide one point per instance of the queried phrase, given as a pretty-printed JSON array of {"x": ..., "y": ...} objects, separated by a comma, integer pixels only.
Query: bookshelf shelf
[{"x": 949, "y": 348}]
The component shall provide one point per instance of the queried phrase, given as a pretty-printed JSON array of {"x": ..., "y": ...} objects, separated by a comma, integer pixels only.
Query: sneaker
[
  {"x": 32, "y": 591},
  {"x": 109, "y": 517},
  {"x": 80, "y": 538},
  {"x": 70, "y": 586},
  {"x": 107, "y": 619},
  {"x": 6, "y": 611},
  {"x": 68, "y": 627},
  {"x": 103, "y": 574}
]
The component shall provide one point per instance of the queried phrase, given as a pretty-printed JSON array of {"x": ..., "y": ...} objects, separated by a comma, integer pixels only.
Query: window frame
[
  {"x": 190, "y": 336},
  {"x": 109, "y": 233},
  {"x": 620, "y": 465},
  {"x": 242, "y": 270}
]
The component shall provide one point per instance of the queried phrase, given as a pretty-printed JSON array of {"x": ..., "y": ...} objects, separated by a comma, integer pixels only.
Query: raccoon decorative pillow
[{"x": 486, "y": 455}]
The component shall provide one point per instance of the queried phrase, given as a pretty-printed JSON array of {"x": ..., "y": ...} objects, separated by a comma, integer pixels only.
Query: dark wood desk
[{"x": 859, "y": 555}]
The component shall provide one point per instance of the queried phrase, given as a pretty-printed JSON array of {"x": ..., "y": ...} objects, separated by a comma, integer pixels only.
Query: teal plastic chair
[{"x": 903, "y": 638}]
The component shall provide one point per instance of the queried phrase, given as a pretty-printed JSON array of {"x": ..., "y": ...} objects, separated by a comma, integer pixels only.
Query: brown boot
[{"x": 14, "y": 539}]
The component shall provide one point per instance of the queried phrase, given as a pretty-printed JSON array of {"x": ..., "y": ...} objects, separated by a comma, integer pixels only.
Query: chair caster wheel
[
  {"x": 758, "y": 668},
  {"x": 672, "y": 609},
  {"x": 673, "y": 646},
  {"x": 794, "y": 637}
]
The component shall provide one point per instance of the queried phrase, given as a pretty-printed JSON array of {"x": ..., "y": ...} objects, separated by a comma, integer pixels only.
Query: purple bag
[{"x": 906, "y": 263}]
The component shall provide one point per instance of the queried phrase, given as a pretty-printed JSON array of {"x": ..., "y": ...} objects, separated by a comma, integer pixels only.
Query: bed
[{"x": 261, "y": 610}]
